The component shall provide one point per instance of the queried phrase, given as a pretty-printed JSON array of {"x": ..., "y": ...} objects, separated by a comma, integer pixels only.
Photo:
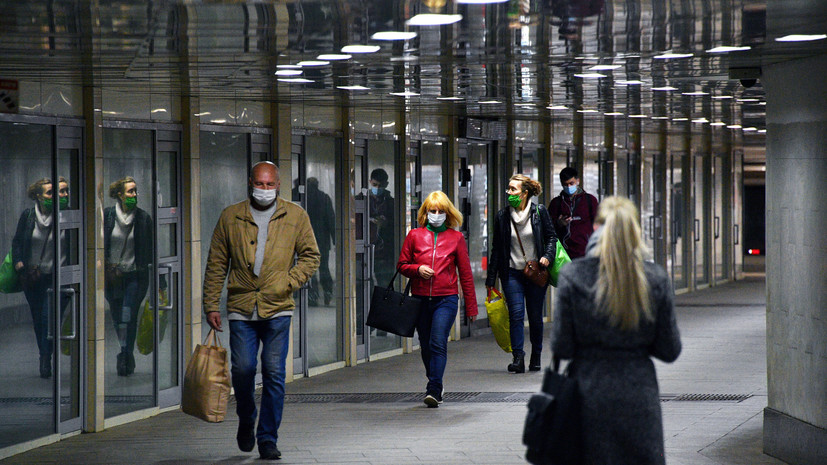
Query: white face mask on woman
[
  {"x": 265, "y": 197},
  {"x": 436, "y": 219}
]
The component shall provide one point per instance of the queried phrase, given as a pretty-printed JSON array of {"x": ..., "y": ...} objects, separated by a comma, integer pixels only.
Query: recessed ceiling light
[
  {"x": 407, "y": 93},
  {"x": 288, "y": 72},
  {"x": 638, "y": 116},
  {"x": 679, "y": 120},
  {"x": 695, "y": 93},
  {"x": 360, "y": 48},
  {"x": 721, "y": 97},
  {"x": 489, "y": 101},
  {"x": 451, "y": 99},
  {"x": 801, "y": 37},
  {"x": 393, "y": 35},
  {"x": 588, "y": 110},
  {"x": 671, "y": 55},
  {"x": 734, "y": 126},
  {"x": 590, "y": 75},
  {"x": 747, "y": 100},
  {"x": 660, "y": 117},
  {"x": 430, "y": 19},
  {"x": 665, "y": 88},
  {"x": 700, "y": 120},
  {"x": 613, "y": 113},
  {"x": 633, "y": 82},
  {"x": 762, "y": 131},
  {"x": 718, "y": 123},
  {"x": 288, "y": 66},
  {"x": 525, "y": 105},
  {"x": 353, "y": 87},
  {"x": 749, "y": 129},
  {"x": 405, "y": 58},
  {"x": 313, "y": 63},
  {"x": 334, "y": 56},
  {"x": 558, "y": 107},
  {"x": 604, "y": 67},
  {"x": 728, "y": 48},
  {"x": 295, "y": 80}
]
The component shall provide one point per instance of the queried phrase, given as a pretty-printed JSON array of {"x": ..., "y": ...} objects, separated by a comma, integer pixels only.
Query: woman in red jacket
[{"x": 430, "y": 257}]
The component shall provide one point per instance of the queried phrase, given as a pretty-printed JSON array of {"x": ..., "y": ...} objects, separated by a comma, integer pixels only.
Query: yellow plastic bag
[
  {"x": 146, "y": 326},
  {"x": 498, "y": 319}
]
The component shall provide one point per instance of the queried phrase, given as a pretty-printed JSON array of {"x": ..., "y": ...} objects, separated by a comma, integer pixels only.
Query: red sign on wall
[{"x": 9, "y": 96}]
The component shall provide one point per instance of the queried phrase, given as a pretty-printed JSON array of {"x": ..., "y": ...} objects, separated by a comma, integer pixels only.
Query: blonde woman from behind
[{"x": 620, "y": 307}]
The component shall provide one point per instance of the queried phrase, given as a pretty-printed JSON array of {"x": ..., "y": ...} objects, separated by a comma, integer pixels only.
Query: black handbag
[
  {"x": 392, "y": 311},
  {"x": 552, "y": 427},
  {"x": 533, "y": 271}
]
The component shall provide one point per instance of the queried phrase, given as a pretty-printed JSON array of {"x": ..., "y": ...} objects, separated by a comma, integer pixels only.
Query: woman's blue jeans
[
  {"x": 523, "y": 296},
  {"x": 274, "y": 336},
  {"x": 434, "y": 325}
]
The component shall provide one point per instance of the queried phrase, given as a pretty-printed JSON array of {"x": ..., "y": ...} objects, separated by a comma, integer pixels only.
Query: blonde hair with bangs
[
  {"x": 622, "y": 291},
  {"x": 440, "y": 201}
]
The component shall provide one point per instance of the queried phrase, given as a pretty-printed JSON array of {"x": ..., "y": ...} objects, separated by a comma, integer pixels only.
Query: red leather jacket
[{"x": 446, "y": 253}]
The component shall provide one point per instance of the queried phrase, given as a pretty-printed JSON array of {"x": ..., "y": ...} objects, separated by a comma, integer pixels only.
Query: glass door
[
  {"x": 473, "y": 202},
  {"x": 678, "y": 225},
  {"x": 700, "y": 249},
  {"x": 166, "y": 310},
  {"x": 718, "y": 212},
  {"x": 66, "y": 324}
]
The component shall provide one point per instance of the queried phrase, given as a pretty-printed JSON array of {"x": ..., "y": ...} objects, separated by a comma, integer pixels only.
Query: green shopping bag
[
  {"x": 561, "y": 258},
  {"x": 9, "y": 282},
  {"x": 498, "y": 319}
]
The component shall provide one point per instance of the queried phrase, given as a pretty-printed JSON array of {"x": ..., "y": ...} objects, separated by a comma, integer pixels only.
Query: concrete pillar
[{"x": 795, "y": 420}]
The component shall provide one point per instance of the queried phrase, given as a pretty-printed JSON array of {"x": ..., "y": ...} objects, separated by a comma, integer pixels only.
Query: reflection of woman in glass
[
  {"x": 33, "y": 257},
  {"x": 127, "y": 241}
]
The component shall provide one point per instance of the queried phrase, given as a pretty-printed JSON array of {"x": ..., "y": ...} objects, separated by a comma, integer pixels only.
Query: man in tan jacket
[{"x": 253, "y": 247}]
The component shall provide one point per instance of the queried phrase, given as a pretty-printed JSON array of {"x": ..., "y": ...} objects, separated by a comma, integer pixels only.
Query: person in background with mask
[
  {"x": 573, "y": 211},
  {"x": 253, "y": 248},
  {"x": 382, "y": 226},
  {"x": 33, "y": 255},
  {"x": 522, "y": 231},
  {"x": 431, "y": 256},
  {"x": 127, "y": 244}
]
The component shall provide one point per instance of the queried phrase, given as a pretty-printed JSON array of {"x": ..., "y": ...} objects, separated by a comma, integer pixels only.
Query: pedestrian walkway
[{"x": 712, "y": 399}]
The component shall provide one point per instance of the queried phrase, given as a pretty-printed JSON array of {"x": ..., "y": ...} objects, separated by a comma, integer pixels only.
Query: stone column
[{"x": 795, "y": 420}]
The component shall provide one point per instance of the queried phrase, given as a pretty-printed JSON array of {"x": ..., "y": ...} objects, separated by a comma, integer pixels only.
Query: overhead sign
[{"x": 9, "y": 96}]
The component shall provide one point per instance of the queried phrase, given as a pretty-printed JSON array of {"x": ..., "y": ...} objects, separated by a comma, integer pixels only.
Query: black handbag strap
[{"x": 390, "y": 284}]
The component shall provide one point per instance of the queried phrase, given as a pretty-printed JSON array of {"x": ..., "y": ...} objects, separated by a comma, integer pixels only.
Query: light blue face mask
[
  {"x": 571, "y": 189},
  {"x": 376, "y": 190}
]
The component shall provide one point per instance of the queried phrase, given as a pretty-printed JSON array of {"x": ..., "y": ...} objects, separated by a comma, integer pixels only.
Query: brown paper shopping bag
[{"x": 207, "y": 381}]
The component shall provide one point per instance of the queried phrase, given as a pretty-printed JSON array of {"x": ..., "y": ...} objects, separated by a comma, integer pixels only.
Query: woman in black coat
[
  {"x": 536, "y": 231},
  {"x": 33, "y": 258},
  {"x": 127, "y": 241},
  {"x": 613, "y": 311}
]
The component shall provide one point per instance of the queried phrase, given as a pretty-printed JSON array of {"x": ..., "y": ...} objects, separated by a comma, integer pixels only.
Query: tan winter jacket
[{"x": 233, "y": 253}]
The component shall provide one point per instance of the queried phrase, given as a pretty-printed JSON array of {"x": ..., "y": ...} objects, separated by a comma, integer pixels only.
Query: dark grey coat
[{"x": 622, "y": 421}]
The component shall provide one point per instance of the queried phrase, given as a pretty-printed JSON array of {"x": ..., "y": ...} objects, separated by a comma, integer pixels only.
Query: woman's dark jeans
[
  {"x": 434, "y": 326},
  {"x": 522, "y": 296},
  {"x": 124, "y": 303}
]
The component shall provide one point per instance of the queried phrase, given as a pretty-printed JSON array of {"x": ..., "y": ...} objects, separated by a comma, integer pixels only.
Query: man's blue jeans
[
  {"x": 434, "y": 325},
  {"x": 274, "y": 335},
  {"x": 523, "y": 296}
]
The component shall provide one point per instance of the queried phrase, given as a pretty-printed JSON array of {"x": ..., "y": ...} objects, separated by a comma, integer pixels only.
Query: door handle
[
  {"x": 72, "y": 312},
  {"x": 659, "y": 226},
  {"x": 697, "y": 230},
  {"x": 652, "y": 227},
  {"x": 737, "y": 235},
  {"x": 170, "y": 287},
  {"x": 717, "y": 227}
]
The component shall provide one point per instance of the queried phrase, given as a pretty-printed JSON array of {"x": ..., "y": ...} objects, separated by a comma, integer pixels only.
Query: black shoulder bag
[
  {"x": 392, "y": 311},
  {"x": 552, "y": 427}
]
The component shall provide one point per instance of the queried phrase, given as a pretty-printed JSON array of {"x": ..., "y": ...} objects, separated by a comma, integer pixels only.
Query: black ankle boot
[
  {"x": 534, "y": 364},
  {"x": 121, "y": 366},
  {"x": 518, "y": 365},
  {"x": 130, "y": 363},
  {"x": 45, "y": 367}
]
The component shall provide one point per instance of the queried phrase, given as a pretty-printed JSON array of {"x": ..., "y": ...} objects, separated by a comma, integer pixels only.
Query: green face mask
[
  {"x": 64, "y": 203},
  {"x": 514, "y": 201},
  {"x": 47, "y": 204},
  {"x": 130, "y": 202}
]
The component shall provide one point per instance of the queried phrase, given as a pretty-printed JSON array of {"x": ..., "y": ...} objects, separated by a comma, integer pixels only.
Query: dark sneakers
[
  {"x": 269, "y": 451},
  {"x": 246, "y": 438},
  {"x": 433, "y": 399}
]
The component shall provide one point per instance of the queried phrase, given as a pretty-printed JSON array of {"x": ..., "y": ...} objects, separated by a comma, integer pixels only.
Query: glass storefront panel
[
  {"x": 383, "y": 227},
  {"x": 432, "y": 154},
  {"x": 129, "y": 268},
  {"x": 324, "y": 319},
  {"x": 478, "y": 244},
  {"x": 223, "y": 183},
  {"x": 27, "y": 389}
]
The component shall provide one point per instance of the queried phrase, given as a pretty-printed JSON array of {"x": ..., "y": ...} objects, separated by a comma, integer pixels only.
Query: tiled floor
[{"x": 723, "y": 332}]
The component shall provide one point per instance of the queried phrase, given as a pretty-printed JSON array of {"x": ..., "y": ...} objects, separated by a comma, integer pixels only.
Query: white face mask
[
  {"x": 265, "y": 197},
  {"x": 436, "y": 219}
]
